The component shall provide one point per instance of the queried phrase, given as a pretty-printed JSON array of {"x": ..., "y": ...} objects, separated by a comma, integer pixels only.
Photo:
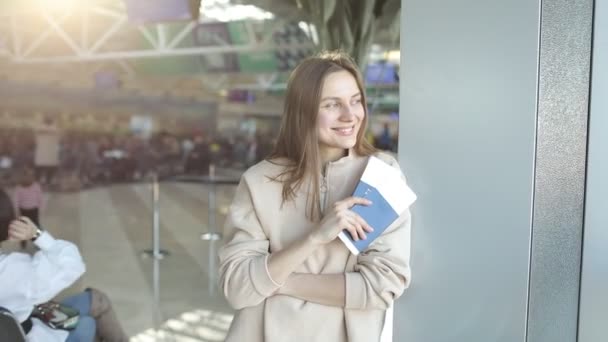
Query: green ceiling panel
[
  {"x": 168, "y": 66},
  {"x": 236, "y": 33},
  {"x": 256, "y": 61}
]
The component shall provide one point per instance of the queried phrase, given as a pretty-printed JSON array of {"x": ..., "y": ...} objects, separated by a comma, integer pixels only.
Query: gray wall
[
  {"x": 594, "y": 283},
  {"x": 492, "y": 138},
  {"x": 467, "y": 144}
]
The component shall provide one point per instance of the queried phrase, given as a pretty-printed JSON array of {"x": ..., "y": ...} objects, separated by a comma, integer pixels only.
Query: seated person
[{"x": 30, "y": 280}]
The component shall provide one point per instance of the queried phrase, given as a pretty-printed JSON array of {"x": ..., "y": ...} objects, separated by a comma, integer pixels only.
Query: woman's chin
[
  {"x": 341, "y": 143},
  {"x": 349, "y": 143}
]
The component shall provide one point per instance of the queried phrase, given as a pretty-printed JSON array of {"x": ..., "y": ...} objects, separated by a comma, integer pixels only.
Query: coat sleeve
[
  {"x": 56, "y": 266},
  {"x": 243, "y": 269},
  {"x": 382, "y": 272}
]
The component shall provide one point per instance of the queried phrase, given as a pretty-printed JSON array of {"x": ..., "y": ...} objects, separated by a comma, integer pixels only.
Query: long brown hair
[
  {"x": 298, "y": 141},
  {"x": 7, "y": 214}
]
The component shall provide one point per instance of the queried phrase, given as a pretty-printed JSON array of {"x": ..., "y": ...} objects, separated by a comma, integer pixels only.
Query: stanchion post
[
  {"x": 211, "y": 235},
  {"x": 156, "y": 252}
]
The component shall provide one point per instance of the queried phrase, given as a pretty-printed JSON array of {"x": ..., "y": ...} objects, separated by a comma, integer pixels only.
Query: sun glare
[
  {"x": 57, "y": 4},
  {"x": 224, "y": 11}
]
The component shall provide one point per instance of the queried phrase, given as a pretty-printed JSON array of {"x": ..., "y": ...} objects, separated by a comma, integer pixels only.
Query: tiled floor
[{"x": 113, "y": 225}]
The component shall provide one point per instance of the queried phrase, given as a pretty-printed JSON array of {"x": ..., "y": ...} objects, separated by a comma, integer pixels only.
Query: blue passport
[{"x": 386, "y": 188}]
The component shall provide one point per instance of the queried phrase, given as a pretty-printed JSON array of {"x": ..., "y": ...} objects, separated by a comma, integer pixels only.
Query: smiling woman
[
  {"x": 340, "y": 115},
  {"x": 281, "y": 266},
  {"x": 325, "y": 97}
]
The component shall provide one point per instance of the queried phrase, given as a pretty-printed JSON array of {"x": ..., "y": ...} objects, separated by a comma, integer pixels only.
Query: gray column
[
  {"x": 492, "y": 138},
  {"x": 594, "y": 279},
  {"x": 563, "y": 110}
]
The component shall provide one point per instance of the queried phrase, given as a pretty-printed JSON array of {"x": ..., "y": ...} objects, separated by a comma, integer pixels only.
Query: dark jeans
[{"x": 85, "y": 330}]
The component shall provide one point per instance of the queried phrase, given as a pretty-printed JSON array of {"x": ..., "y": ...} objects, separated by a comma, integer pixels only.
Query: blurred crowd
[{"x": 73, "y": 160}]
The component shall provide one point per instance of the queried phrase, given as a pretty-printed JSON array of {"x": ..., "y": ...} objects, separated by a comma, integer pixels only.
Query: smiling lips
[{"x": 345, "y": 131}]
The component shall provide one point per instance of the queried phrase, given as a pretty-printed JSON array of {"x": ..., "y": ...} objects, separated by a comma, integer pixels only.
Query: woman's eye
[
  {"x": 332, "y": 105},
  {"x": 356, "y": 101}
]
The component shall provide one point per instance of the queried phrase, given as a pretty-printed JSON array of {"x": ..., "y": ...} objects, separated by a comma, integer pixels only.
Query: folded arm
[
  {"x": 325, "y": 289},
  {"x": 248, "y": 272},
  {"x": 381, "y": 275}
]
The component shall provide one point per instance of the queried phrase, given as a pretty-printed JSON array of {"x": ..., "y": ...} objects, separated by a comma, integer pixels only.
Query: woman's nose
[{"x": 347, "y": 113}]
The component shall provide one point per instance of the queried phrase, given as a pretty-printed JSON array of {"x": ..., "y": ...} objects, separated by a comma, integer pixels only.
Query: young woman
[
  {"x": 281, "y": 266},
  {"x": 29, "y": 280}
]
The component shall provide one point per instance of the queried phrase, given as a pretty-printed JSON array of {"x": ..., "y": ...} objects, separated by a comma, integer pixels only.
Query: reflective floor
[{"x": 113, "y": 225}]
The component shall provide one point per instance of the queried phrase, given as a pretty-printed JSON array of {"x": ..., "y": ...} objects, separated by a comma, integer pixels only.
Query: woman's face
[{"x": 340, "y": 115}]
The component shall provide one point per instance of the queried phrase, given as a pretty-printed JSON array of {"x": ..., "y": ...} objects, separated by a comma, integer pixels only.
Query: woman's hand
[
  {"x": 282, "y": 263},
  {"x": 340, "y": 217},
  {"x": 22, "y": 229}
]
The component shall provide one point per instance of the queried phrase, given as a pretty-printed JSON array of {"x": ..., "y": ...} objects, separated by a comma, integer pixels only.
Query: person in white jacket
[{"x": 28, "y": 280}]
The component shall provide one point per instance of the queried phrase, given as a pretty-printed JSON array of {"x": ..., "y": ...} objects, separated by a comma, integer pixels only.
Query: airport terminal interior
[{"x": 149, "y": 112}]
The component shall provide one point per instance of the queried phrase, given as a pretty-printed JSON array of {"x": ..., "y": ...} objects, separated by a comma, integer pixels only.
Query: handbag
[{"x": 57, "y": 315}]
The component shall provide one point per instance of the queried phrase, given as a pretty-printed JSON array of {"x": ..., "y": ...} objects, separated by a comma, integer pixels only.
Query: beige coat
[{"x": 257, "y": 225}]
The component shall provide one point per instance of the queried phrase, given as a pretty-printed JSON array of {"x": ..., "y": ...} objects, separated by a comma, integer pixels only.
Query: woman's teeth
[{"x": 344, "y": 130}]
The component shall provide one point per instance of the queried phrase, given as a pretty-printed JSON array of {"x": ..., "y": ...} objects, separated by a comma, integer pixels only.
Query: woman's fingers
[
  {"x": 361, "y": 222},
  {"x": 353, "y": 232},
  {"x": 19, "y": 230},
  {"x": 348, "y": 202},
  {"x": 349, "y": 224},
  {"x": 17, "y": 234},
  {"x": 358, "y": 226},
  {"x": 342, "y": 218},
  {"x": 26, "y": 220},
  {"x": 17, "y": 225}
]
